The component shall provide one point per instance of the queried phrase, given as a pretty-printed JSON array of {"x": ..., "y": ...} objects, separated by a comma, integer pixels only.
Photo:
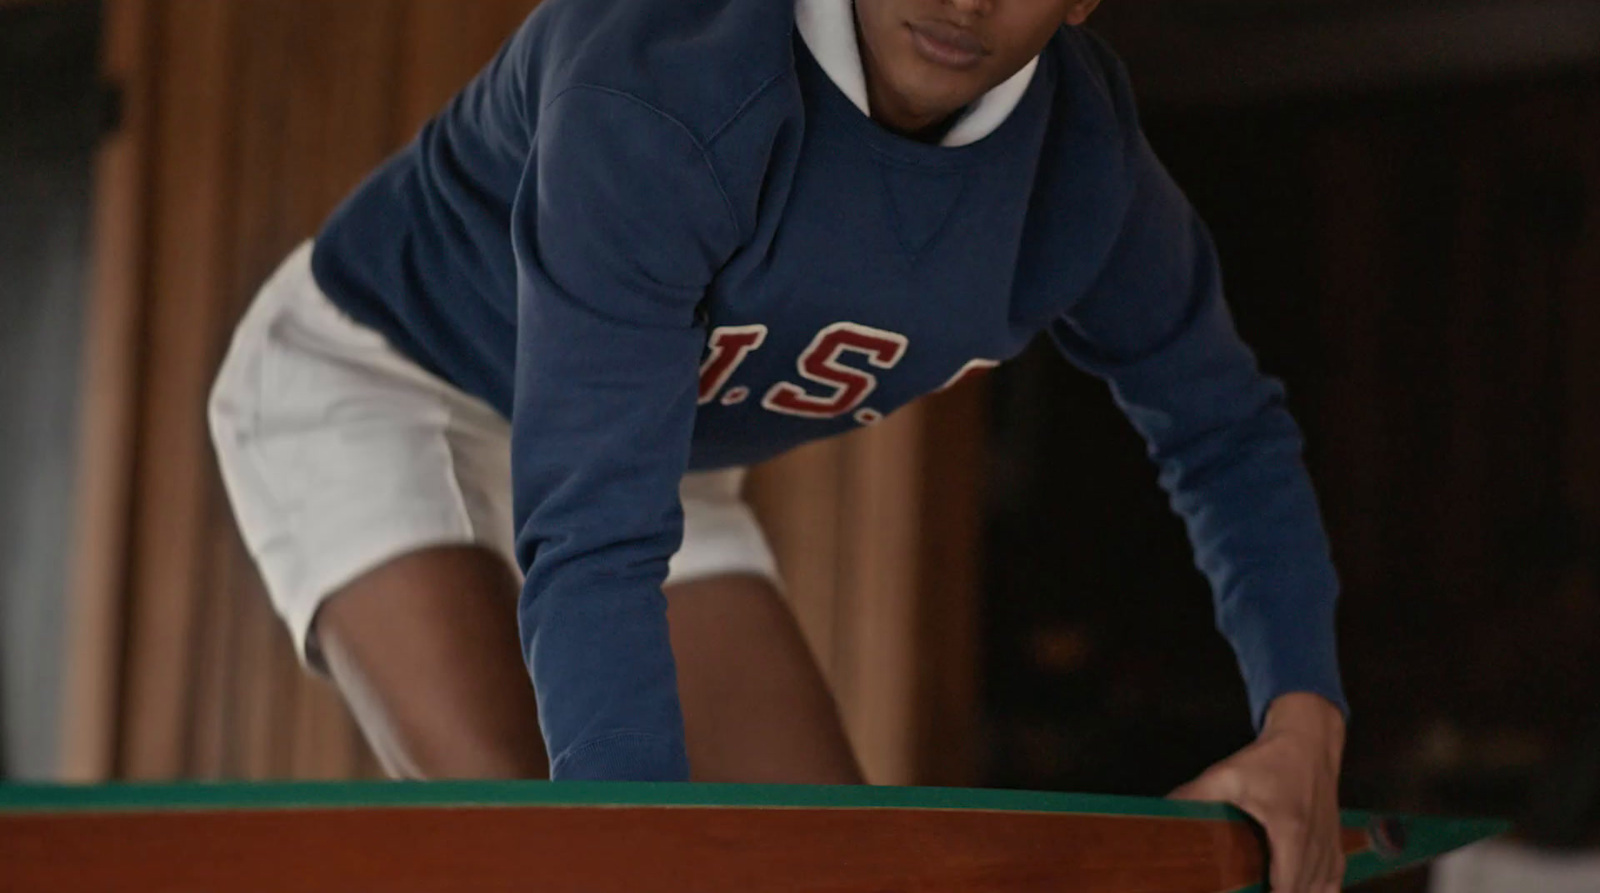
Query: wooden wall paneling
[
  {"x": 344, "y": 95},
  {"x": 881, "y": 527},
  {"x": 1346, "y": 47},
  {"x": 798, "y": 498},
  {"x": 1581, "y": 282},
  {"x": 264, "y": 66},
  {"x": 260, "y": 682},
  {"x": 323, "y": 744},
  {"x": 1466, "y": 328},
  {"x": 1456, "y": 250},
  {"x": 1345, "y": 175},
  {"x": 1548, "y": 590},
  {"x": 189, "y": 261},
  {"x": 1572, "y": 265},
  {"x": 108, "y": 424},
  {"x": 1437, "y": 480},
  {"x": 216, "y": 646},
  {"x": 447, "y": 42},
  {"x": 823, "y": 508},
  {"x": 245, "y": 661},
  {"x": 1528, "y": 381},
  {"x": 877, "y": 536},
  {"x": 1347, "y": 189},
  {"x": 947, "y": 626}
]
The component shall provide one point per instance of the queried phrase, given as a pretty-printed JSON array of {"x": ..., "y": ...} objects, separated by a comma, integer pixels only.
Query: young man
[{"x": 667, "y": 239}]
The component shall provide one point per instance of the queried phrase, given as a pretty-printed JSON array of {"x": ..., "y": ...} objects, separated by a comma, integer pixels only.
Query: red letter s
[{"x": 848, "y": 387}]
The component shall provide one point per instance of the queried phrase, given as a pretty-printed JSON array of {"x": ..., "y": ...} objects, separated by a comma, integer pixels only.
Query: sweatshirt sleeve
[
  {"x": 619, "y": 226},
  {"x": 1156, "y": 328}
]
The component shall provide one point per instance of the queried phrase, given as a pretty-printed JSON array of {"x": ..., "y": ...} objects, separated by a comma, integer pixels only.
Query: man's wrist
[{"x": 1307, "y": 715}]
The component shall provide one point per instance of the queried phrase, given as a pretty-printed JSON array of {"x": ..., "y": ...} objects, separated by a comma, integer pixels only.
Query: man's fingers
[
  {"x": 1194, "y": 790},
  {"x": 1287, "y": 839},
  {"x": 1220, "y": 785},
  {"x": 1312, "y": 864},
  {"x": 1318, "y": 865},
  {"x": 1331, "y": 877},
  {"x": 1329, "y": 873},
  {"x": 1303, "y": 853},
  {"x": 1286, "y": 835},
  {"x": 1322, "y": 846},
  {"x": 1305, "y": 857},
  {"x": 1329, "y": 846}
]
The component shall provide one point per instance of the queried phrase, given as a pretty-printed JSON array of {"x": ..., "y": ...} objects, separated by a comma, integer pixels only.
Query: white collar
[{"x": 829, "y": 29}]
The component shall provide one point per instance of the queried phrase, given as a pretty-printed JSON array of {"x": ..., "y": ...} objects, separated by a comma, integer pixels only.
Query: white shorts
[{"x": 339, "y": 454}]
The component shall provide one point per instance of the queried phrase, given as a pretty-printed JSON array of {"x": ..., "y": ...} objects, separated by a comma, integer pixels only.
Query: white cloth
[
  {"x": 828, "y": 28},
  {"x": 339, "y": 454},
  {"x": 1501, "y": 866}
]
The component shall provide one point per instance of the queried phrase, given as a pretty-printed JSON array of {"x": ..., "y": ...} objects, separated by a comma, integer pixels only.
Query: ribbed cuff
[{"x": 1286, "y": 646}]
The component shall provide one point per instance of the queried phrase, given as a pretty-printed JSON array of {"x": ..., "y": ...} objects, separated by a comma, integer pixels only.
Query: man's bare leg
[
  {"x": 755, "y": 707},
  {"x": 425, "y": 651}
]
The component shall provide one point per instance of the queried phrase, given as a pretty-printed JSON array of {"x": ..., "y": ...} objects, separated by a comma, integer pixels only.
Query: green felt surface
[
  {"x": 313, "y": 795},
  {"x": 1426, "y": 837}
]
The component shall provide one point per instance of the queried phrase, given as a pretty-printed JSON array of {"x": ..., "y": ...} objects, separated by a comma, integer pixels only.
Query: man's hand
[{"x": 1288, "y": 780}]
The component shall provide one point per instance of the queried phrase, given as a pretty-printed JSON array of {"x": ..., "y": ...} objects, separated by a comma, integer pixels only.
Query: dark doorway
[
  {"x": 52, "y": 111},
  {"x": 1419, "y": 260}
]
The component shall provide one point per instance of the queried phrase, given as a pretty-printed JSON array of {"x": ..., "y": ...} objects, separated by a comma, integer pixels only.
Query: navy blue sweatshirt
[{"x": 658, "y": 237}]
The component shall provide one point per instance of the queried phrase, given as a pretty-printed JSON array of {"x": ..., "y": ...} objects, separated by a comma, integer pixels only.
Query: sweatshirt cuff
[
  {"x": 626, "y": 756},
  {"x": 1285, "y": 646}
]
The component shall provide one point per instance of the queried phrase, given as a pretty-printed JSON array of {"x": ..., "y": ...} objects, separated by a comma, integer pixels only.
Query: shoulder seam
[
  {"x": 745, "y": 106},
  {"x": 705, "y": 154}
]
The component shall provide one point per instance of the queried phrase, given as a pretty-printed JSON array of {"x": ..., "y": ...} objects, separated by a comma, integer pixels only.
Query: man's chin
[
  {"x": 942, "y": 104},
  {"x": 954, "y": 96}
]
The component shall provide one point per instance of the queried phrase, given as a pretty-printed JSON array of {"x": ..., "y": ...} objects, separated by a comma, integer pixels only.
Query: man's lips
[{"x": 947, "y": 45}]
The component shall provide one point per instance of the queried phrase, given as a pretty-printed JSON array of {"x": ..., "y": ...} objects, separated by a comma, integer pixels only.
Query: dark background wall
[
  {"x": 48, "y": 125},
  {"x": 1406, "y": 198}
]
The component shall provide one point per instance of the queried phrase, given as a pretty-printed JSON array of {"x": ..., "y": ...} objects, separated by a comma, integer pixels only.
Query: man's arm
[
  {"x": 1156, "y": 328},
  {"x": 621, "y": 226}
]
